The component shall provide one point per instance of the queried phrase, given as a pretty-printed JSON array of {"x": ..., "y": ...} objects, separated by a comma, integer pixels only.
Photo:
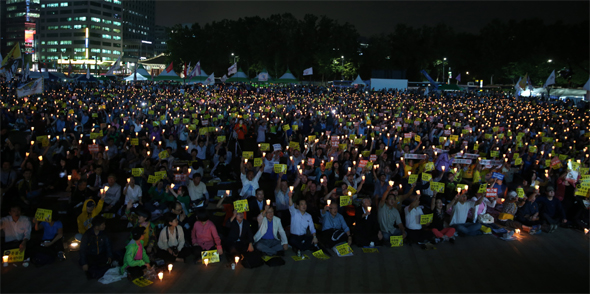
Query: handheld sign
[
  {"x": 43, "y": 215},
  {"x": 280, "y": 168},
  {"x": 15, "y": 255},
  {"x": 211, "y": 255},
  {"x": 345, "y": 200},
  {"x": 241, "y": 206},
  {"x": 343, "y": 249},
  {"x": 426, "y": 219},
  {"x": 482, "y": 188},
  {"x": 264, "y": 146},
  {"x": 320, "y": 255},
  {"x": 491, "y": 192},
  {"x": 248, "y": 154},
  {"x": 257, "y": 162},
  {"x": 498, "y": 176},
  {"x": 520, "y": 192},
  {"x": 412, "y": 179},
  {"x": 426, "y": 177},
  {"x": 437, "y": 187},
  {"x": 137, "y": 172}
]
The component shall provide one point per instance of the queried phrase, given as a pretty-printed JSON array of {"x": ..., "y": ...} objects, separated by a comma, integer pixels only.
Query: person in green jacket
[
  {"x": 136, "y": 260},
  {"x": 159, "y": 198}
]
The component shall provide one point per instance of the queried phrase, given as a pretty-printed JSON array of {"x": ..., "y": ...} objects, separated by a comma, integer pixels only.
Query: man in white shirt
[
  {"x": 249, "y": 181},
  {"x": 270, "y": 229},
  {"x": 300, "y": 222},
  {"x": 132, "y": 192},
  {"x": 413, "y": 226},
  {"x": 112, "y": 195},
  {"x": 461, "y": 207},
  {"x": 197, "y": 190},
  {"x": 17, "y": 229}
]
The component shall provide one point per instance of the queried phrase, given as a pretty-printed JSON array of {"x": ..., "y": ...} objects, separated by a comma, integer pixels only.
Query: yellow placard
[
  {"x": 280, "y": 168},
  {"x": 321, "y": 255},
  {"x": 294, "y": 145},
  {"x": 351, "y": 189},
  {"x": 437, "y": 187},
  {"x": 520, "y": 192},
  {"x": 161, "y": 174},
  {"x": 212, "y": 256},
  {"x": 482, "y": 188},
  {"x": 241, "y": 206},
  {"x": 311, "y": 138},
  {"x": 264, "y": 146},
  {"x": 429, "y": 166},
  {"x": 220, "y": 139},
  {"x": 342, "y": 146},
  {"x": 494, "y": 154},
  {"x": 137, "y": 172},
  {"x": 43, "y": 215},
  {"x": 344, "y": 249},
  {"x": 163, "y": 155},
  {"x": 153, "y": 179},
  {"x": 518, "y": 161},
  {"x": 426, "y": 219},
  {"x": 286, "y": 128},
  {"x": 417, "y": 138},
  {"x": 396, "y": 241},
  {"x": 582, "y": 191},
  {"x": 297, "y": 258},
  {"x": 248, "y": 154},
  {"x": 412, "y": 179},
  {"x": 426, "y": 177},
  {"x": 345, "y": 200},
  {"x": 15, "y": 255},
  {"x": 142, "y": 282},
  {"x": 257, "y": 162},
  {"x": 134, "y": 142}
]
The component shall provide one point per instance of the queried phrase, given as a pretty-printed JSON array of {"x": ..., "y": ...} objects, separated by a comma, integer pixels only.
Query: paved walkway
[{"x": 557, "y": 262}]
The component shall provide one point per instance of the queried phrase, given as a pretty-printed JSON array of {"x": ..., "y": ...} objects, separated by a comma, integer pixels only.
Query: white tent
[
  {"x": 141, "y": 70},
  {"x": 168, "y": 74},
  {"x": 358, "y": 81},
  {"x": 140, "y": 77}
]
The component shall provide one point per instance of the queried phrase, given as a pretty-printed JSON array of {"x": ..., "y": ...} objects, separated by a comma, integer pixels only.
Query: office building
[
  {"x": 160, "y": 40},
  {"x": 139, "y": 20},
  {"x": 19, "y": 19},
  {"x": 81, "y": 32}
]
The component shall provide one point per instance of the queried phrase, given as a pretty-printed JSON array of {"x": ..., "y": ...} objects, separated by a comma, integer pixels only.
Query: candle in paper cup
[
  {"x": 267, "y": 201},
  {"x": 206, "y": 261},
  {"x": 160, "y": 276},
  {"x": 585, "y": 231},
  {"x": 517, "y": 231},
  {"x": 128, "y": 180},
  {"x": 69, "y": 177},
  {"x": 459, "y": 189},
  {"x": 40, "y": 158},
  {"x": 170, "y": 268},
  {"x": 329, "y": 201},
  {"x": 5, "y": 260},
  {"x": 369, "y": 208},
  {"x": 237, "y": 259},
  {"x": 391, "y": 183}
]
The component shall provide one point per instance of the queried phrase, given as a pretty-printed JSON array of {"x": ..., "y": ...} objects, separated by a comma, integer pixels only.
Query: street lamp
[
  {"x": 235, "y": 56},
  {"x": 443, "y": 79},
  {"x": 550, "y": 60},
  {"x": 342, "y": 76}
]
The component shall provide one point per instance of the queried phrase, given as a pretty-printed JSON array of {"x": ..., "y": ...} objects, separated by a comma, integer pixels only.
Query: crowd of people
[{"x": 249, "y": 171}]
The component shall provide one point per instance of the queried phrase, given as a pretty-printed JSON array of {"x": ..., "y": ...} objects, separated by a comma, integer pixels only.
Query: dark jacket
[
  {"x": 92, "y": 180},
  {"x": 234, "y": 232},
  {"x": 254, "y": 211},
  {"x": 93, "y": 244}
]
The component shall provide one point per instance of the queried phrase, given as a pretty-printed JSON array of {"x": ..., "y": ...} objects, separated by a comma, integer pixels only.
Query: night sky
[{"x": 378, "y": 16}]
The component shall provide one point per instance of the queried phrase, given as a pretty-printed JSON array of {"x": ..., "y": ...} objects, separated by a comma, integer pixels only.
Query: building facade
[
  {"x": 139, "y": 20},
  {"x": 19, "y": 24},
  {"x": 80, "y": 32}
]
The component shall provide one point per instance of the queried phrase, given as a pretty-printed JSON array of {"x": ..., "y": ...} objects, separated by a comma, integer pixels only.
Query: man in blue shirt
[{"x": 334, "y": 228}]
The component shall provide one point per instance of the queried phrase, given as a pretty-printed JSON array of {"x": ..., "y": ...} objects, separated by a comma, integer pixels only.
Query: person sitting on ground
[
  {"x": 551, "y": 210},
  {"x": 89, "y": 211},
  {"x": 136, "y": 259},
  {"x": 249, "y": 181},
  {"x": 133, "y": 193},
  {"x": 53, "y": 232},
  {"x": 460, "y": 207},
  {"x": 240, "y": 238},
  {"x": 95, "y": 249},
  {"x": 171, "y": 242},
  {"x": 205, "y": 236},
  {"x": 141, "y": 218},
  {"x": 159, "y": 199},
  {"x": 416, "y": 232},
  {"x": 389, "y": 217},
  {"x": 17, "y": 230},
  {"x": 256, "y": 205},
  {"x": 367, "y": 229},
  {"x": 197, "y": 190},
  {"x": 78, "y": 195},
  {"x": 112, "y": 199},
  {"x": 528, "y": 214},
  {"x": 334, "y": 228},
  {"x": 438, "y": 221},
  {"x": 300, "y": 222},
  {"x": 270, "y": 228}
]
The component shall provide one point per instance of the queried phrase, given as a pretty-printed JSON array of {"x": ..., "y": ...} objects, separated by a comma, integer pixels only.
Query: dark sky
[{"x": 377, "y": 16}]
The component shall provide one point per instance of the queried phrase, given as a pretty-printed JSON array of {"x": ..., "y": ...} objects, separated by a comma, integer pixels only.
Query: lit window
[
  {"x": 51, "y": 49},
  {"x": 65, "y": 27},
  {"x": 77, "y": 27},
  {"x": 52, "y": 5},
  {"x": 65, "y": 42},
  {"x": 116, "y": 52},
  {"x": 106, "y": 36},
  {"x": 105, "y": 51},
  {"x": 95, "y": 19},
  {"x": 63, "y": 4},
  {"x": 117, "y": 23},
  {"x": 116, "y": 37},
  {"x": 95, "y": 50},
  {"x": 52, "y": 27}
]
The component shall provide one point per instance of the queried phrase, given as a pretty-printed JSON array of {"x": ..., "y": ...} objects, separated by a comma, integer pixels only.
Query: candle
[
  {"x": 291, "y": 188},
  {"x": 267, "y": 201},
  {"x": 170, "y": 268},
  {"x": 517, "y": 231},
  {"x": 69, "y": 177},
  {"x": 171, "y": 186},
  {"x": 40, "y": 158},
  {"x": 585, "y": 231},
  {"x": 206, "y": 261},
  {"x": 160, "y": 276},
  {"x": 391, "y": 183},
  {"x": 237, "y": 259},
  {"x": 329, "y": 201},
  {"x": 74, "y": 245},
  {"x": 128, "y": 179},
  {"x": 369, "y": 209},
  {"x": 418, "y": 192},
  {"x": 5, "y": 260},
  {"x": 459, "y": 189}
]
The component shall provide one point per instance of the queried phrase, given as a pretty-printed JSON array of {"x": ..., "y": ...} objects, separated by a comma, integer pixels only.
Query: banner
[
  {"x": 13, "y": 54},
  {"x": 113, "y": 68},
  {"x": 210, "y": 80},
  {"x": 308, "y": 71},
  {"x": 33, "y": 87},
  {"x": 550, "y": 80},
  {"x": 232, "y": 69},
  {"x": 263, "y": 77}
]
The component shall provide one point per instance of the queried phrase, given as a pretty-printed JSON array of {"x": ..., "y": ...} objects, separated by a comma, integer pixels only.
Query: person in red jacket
[{"x": 241, "y": 129}]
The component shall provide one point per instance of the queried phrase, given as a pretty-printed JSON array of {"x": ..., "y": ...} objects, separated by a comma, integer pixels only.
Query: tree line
[{"x": 501, "y": 52}]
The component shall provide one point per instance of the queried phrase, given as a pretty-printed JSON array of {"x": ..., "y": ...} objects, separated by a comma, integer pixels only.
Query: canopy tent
[
  {"x": 255, "y": 79},
  {"x": 82, "y": 78},
  {"x": 358, "y": 81},
  {"x": 46, "y": 75},
  {"x": 574, "y": 94},
  {"x": 141, "y": 70},
  {"x": 288, "y": 78},
  {"x": 140, "y": 77},
  {"x": 240, "y": 76},
  {"x": 197, "y": 78},
  {"x": 168, "y": 76},
  {"x": 450, "y": 88}
]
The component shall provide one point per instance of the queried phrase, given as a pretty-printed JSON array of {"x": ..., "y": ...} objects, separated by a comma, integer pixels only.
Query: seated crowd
[{"x": 244, "y": 170}]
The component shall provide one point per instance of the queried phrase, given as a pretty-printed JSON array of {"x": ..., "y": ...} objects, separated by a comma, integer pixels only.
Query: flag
[
  {"x": 530, "y": 84},
  {"x": 187, "y": 70},
  {"x": 587, "y": 86},
  {"x": 184, "y": 70},
  {"x": 70, "y": 70},
  {"x": 25, "y": 73},
  {"x": 224, "y": 78},
  {"x": 14, "y": 53},
  {"x": 113, "y": 68},
  {"x": 458, "y": 78},
  {"x": 550, "y": 80},
  {"x": 210, "y": 80},
  {"x": 232, "y": 69},
  {"x": 169, "y": 68},
  {"x": 194, "y": 71},
  {"x": 88, "y": 73},
  {"x": 522, "y": 82},
  {"x": 33, "y": 87},
  {"x": 308, "y": 71},
  {"x": 263, "y": 77}
]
